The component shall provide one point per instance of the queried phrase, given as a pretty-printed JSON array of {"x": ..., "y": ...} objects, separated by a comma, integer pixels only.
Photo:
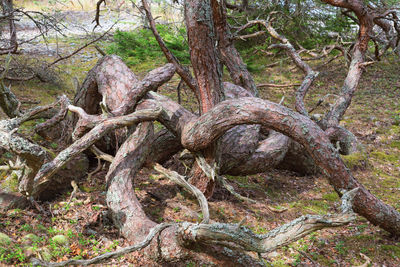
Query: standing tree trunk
[
  {"x": 229, "y": 55},
  {"x": 208, "y": 72}
]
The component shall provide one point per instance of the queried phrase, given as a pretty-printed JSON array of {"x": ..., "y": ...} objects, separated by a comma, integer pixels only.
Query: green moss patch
[
  {"x": 382, "y": 156},
  {"x": 358, "y": 160}
]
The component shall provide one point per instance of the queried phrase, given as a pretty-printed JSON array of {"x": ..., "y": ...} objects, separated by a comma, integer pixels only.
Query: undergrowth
[{"x": 141, "y": 46}]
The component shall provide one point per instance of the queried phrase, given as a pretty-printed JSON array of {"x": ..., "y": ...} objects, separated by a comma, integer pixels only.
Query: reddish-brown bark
[
  {"x": 230, "y": 57},
  {"x": 199, "y": 133},
  {"x": 208, "y": 72},
  {"x": 203, "y": 53}
]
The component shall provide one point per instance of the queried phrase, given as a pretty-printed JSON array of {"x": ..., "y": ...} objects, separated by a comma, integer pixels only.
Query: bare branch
[
  {"x": 277, "y": 85},
  {"x": 231, "y": 235},
  {"x": 153, "y": 232},
  {"x": 64, "y": 102},
  {"x": 231, "y": 190},
  {"x": 82, "y": 47},
  {"x": 180, "y": 180},
  {"x": 101, "y": 129},
  {"x": 97, "y": 17},
  {"x": 181, "y": 70}
]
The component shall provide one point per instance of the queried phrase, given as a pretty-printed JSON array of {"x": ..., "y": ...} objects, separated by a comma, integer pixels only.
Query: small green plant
[
  {"x": 70, "y": 234},
  {"x": 362, "y": 227},
  {"x": 53, "y": 145},
  {"x": 58, "y": 251},
  {"x": 12, "y": 255},
  {"x": 95, "y": 208},
  {"x": 51, "y": 231},
  {"x": 340, "y": 247},
  {"x": 176, "y": 209},
  {"x": 26, "y": 227}
]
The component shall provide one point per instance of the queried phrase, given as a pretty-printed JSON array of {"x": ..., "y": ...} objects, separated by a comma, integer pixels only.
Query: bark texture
[
  {"x": 203, "y": 131},
  {"x": 230, "y": 57}
]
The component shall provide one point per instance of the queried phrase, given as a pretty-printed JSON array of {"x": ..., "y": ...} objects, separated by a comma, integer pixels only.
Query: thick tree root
[{"x": 230, "y": 235}]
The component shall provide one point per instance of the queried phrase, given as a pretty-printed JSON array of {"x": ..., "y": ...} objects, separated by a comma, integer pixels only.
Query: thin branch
[
  {"x": 277, "y": 85},
  {"x": 230, "y": 235},
  {"x": 64, "y": 102},
  {"x": 115, "y": 254},
  {"x": 181, "y": 70},
  {"x": 101, "y": 155},
  {"x": 231, "y": 190},
  {"x": 81, "y": 48},
  {"x": 97, "y": 17},
  {"x": 180, "y": 180}
]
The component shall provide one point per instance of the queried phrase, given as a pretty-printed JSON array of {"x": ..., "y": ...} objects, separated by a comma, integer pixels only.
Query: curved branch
[
  {"x": 201, "y": 132},
  {"x": 104, "y": 127},
  {"x": 291, "y": 51},
  {"x": 181, "y": 70},
  {"x": 235, "y": 236},
  {"x": 180, "y": 180}
]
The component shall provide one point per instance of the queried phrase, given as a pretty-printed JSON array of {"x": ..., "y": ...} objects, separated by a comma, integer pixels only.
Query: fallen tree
[{"x": 235, "y": 133}]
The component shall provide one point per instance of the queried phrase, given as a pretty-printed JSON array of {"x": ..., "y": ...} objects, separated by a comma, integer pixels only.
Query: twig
[
  {"x": 101, "y": 155},
  {"x": 64, "y": 102},
  {"x": 231, "y": 190},
  {"x": 367, "y": 261},
  {"x": 75, "y": 189},
  {"x": 181, "y": 70},
  {"x": 82, "y": 47},
  {"x": 276, "y": 210},
  {"x": 153, "y": 232},
  {"x": 10, "y": 168},
  {"x": 308, "y": 257},
  {"x": 98, "y": 168},
  {"x": 101, "y": 51},
  {"x": 278, "y": 85}
]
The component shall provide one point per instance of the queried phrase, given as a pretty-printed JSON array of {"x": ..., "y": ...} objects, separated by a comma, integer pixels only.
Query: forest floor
[{"x": 81, "y": 229}]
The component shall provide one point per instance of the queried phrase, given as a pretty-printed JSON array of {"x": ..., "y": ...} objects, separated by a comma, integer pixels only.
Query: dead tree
[{"x": 235, "y": 133}]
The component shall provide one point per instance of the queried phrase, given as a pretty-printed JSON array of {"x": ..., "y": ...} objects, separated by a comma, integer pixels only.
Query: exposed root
[{"x": 229, "y": 235}]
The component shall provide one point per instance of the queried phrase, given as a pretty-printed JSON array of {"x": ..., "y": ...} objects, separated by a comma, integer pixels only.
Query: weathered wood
[
  {"x": 366, "y": 23},
  {"x": 228, "y": 235}
]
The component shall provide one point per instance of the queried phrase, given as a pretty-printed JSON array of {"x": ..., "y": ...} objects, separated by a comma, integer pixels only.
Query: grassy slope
[{"x": 373, "y": 117}]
